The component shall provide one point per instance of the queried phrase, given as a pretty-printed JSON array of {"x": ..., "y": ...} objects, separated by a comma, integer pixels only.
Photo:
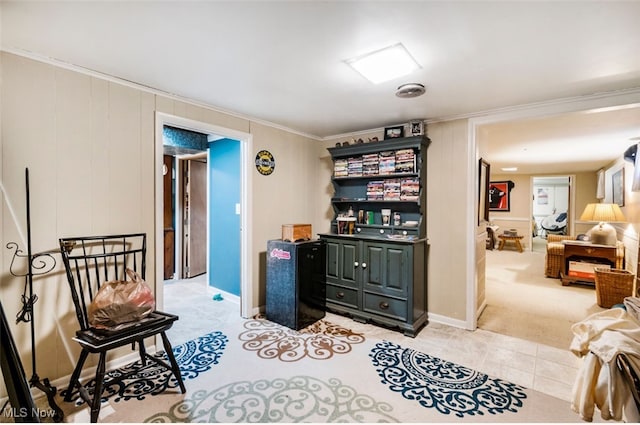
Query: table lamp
[{"x": 603, "y": 233}]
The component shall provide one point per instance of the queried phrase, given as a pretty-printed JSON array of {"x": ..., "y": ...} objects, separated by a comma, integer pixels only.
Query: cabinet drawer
[
  {"x": 390, "y": 307},
  {"x": 344, "y": 296}
]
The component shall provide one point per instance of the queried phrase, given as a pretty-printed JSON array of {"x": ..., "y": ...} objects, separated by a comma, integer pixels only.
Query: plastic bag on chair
[{"x": 119, "y": 302}]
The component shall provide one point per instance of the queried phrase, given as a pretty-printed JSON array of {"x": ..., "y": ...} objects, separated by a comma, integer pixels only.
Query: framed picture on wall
[
  {"x": 617, "y": 187},
  {"x": 500, "y": 195},
  {"x": 483, "y": 191}
]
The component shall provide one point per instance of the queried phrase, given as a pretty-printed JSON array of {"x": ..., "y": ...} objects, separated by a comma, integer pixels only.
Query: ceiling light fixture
[
  {"x": 384, "y": 64},
  {"x": 509, "y": 169},
  {"x": 410, "y": 90}
]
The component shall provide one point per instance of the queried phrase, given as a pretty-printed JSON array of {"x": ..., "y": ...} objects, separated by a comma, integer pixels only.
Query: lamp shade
[{"x": 602, "y": 212}]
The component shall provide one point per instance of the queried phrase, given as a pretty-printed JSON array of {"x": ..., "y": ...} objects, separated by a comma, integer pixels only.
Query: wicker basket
[{"x": 612, "y": 286}]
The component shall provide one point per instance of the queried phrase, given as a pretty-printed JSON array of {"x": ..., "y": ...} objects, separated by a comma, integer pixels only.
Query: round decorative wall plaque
[{"x": 265, "y": 163}]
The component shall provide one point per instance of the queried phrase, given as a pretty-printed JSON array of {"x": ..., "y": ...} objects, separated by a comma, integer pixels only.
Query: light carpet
[
  {"x": 258, "y": 371},
  {"x": 523, "y": 303}
]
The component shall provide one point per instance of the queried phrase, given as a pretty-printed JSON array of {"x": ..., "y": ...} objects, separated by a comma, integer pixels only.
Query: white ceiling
[
  {"x": 283, "y": 62},
  {"x": 571, "y": 142}
]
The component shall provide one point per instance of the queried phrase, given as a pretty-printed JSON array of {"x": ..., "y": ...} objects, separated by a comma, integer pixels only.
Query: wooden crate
[{"x": 296, "y": 232}]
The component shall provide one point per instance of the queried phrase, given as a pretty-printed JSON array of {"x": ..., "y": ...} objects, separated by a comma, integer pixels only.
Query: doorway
[
  {"x": 550, "y": 209},
  {"x": 243, "y": 208},
  {"x": 185, "y": 213},
  {"x": 587, "y": 104}
]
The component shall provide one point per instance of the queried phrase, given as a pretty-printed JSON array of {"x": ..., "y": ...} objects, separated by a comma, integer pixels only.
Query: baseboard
[{"x": 444, "y": 320}]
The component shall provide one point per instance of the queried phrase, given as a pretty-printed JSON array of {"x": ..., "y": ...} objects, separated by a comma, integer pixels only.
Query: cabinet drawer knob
[
  {"x": 364, "y": 265},
  {"x": 384, "y": 305},
  {"x": 340, "y": 295},
  {"x": 356, "y": 264}
]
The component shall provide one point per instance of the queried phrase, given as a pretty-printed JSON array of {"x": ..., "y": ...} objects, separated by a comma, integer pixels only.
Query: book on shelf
[
  {"x": 409, "y": 189},
  {"x": 340, "y": 168},
  {"x": 387, "y": 162},
  {"x": 392, "y": 190},
  {"x": 354, "y": 166},
  {"x": 405, "y": 161},
  {"x": 375, "y": 190},
  {"x": 370, "y": 164}
]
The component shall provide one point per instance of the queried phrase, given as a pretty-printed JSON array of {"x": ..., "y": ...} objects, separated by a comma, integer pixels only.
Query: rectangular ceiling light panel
[{"x": 385, "y": 64}]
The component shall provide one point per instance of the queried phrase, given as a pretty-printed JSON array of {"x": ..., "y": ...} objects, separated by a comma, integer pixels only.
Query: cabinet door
[
  {"x": 350, "y": 256},
  {"x": 333, "y": 252},
  {"x": 385, "y": 268},
  {"x": 343, "y": 262}
]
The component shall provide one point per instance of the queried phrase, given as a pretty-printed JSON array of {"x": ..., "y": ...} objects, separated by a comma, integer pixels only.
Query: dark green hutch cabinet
[{"x": 377, "y": 269}]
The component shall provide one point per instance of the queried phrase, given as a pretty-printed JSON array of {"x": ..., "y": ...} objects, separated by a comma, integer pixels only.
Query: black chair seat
[{"x": 100, "y": 339}]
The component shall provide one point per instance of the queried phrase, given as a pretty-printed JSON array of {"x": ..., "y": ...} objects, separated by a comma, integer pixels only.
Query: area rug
[{"x": 258, "y": 371}]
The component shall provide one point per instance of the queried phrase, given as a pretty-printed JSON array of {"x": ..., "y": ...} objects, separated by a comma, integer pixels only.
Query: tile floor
[{"x": 540, "y": 367}]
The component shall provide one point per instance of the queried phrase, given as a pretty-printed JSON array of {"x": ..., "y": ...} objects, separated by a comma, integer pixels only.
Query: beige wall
[
  {"x": 89, "y": 144},
  {"x": 449, "y": 212},
  {"x": 286, "y": 196},
  {"x": 627, "y": 232}
]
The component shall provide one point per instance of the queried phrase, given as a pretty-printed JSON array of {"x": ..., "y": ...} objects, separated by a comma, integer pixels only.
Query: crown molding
[{"x": 111, "y": 78}]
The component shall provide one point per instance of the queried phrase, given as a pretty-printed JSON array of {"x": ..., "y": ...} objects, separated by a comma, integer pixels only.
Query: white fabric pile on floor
[
  {"x": 632, "y": 304},
  {"x": 600, "y": 338}
]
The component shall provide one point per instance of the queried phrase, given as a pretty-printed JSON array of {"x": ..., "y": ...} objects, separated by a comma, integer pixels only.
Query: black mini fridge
[{"x": 296, "y": 282}]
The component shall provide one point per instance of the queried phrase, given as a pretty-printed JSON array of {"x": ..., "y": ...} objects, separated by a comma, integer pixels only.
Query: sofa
[{"x": 555, "y": 255}]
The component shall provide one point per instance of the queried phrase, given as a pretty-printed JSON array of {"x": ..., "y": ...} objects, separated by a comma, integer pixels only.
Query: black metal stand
[
  {"x": 24, "y": 409},
  {"x": 44, "y": 264}
]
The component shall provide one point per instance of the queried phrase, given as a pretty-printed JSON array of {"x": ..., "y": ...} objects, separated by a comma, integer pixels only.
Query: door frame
[
  {"x": 591, "y": 103},
  {"x": 246, "y": 142}
]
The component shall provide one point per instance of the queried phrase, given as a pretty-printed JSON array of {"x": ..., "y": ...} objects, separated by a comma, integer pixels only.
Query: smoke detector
[{"x": 410, "y": 90}]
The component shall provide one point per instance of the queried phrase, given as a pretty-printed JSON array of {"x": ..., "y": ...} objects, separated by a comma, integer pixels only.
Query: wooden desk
[
  {"x": 514, "y": 239},
  {"x": 574, "y": 250}
]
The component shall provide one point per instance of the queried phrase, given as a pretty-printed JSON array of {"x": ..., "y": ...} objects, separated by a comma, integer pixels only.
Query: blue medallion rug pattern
[
  {"x": 445, "y": 386},
  {"x": 193, "y": 357},
  {"x": 295, "y": 399}
]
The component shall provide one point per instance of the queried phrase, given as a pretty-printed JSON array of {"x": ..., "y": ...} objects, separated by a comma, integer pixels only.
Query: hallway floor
[{"x": 193, "y": 301}]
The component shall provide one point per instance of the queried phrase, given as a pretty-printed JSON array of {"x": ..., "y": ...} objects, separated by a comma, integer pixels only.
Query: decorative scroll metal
[
  {"x": 41, "y": 263},
  {"x": 38, "y": 264}
]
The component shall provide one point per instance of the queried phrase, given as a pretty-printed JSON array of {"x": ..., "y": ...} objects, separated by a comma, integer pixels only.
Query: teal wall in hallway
[{"x": 224, "y": 224}]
